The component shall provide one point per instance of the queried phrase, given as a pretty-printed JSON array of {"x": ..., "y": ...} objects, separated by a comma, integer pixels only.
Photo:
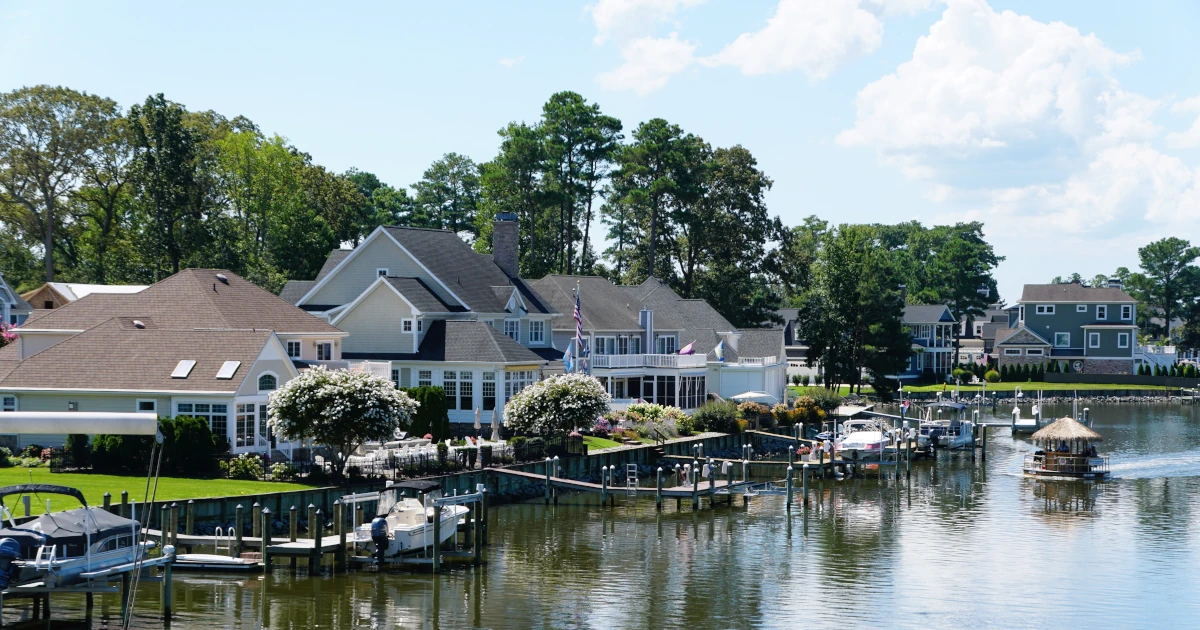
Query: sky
[{"x": 1071, "y": 128}]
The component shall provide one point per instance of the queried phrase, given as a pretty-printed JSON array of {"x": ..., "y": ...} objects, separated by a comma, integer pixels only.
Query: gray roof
[
  {"x": 460, "y": 341},
  {"x": 761, "y": 342},
  {"x": 1072, "y": 293},
  {"x": 335, "y": 258},
  {"x": 602, "y": 305},
  {"x": 418, "y": 293},
  {"x": 927, "y": 314},
  {"x": 699, "y": 321},
  {"x": 293, "y": 290}
]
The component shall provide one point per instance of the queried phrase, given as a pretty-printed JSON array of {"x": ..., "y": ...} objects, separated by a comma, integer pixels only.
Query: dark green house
[{"x": 1088, "y": 330}]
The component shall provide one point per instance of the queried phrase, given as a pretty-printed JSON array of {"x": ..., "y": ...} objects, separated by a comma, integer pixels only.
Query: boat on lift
[
  {"x": 948, "y": 429},
  {"x": 404, "y": 524},
  {"x": 63, "y": 548},
  {"x": 863, "y": 439}
]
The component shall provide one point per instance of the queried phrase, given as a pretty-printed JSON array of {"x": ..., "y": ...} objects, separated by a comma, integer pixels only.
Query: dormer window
[
  {"x": 381, "y": 272},
  {"x": 267, "y": 383}
]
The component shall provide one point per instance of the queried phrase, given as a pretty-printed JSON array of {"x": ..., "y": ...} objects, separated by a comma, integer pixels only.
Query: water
[{"x": 965, "y": 544}]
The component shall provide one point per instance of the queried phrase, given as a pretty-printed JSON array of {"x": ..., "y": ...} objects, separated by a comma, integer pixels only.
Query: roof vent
[
  {"x": 183, "y": 369},
  {"x": 228, "y": 369},
  {"x": 139, "y": 324},
  {"x": 222, "y": 278}
]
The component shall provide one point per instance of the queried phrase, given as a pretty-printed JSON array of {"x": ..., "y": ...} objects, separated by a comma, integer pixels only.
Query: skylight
[
  {"x": 227, "y": 369},
  {"x": 183, "y": 368}
]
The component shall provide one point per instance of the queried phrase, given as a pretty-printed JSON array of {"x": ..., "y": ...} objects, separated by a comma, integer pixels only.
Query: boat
[
  {"x": 215, "y": 563},
  {"x": 863, "y": 439},
  {"x": 949, "y": 429},
  {"x": 1067, "y": 450},
  {"x": 63, "y": 548},
  {"x": 404, "y": 524}
]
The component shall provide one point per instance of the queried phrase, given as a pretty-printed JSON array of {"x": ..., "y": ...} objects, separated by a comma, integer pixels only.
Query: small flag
[
  {"x": 720, "y": 350},
  {"x": 904, "y": 407},
  {"x": 687, "y": 349},
  {"x": 567, "y": 359}
]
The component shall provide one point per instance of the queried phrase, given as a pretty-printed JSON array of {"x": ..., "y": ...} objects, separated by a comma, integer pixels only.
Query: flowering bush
[
  {"x": 6, "y": 337},
  {"x": 602, "y": 426},
  {"x": 246, "y": 466},
  {"x": 556, "y": 405},
  {"x": 283, "y": 471},
  {"x": 339, "y": 409}
]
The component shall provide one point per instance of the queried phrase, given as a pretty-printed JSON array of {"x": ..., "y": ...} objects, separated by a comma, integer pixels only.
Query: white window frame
[
  {"x": 1081, "y": 308},
  {"x": 488, "y": 383},
  {"x": 515, "y": 334},
  {"x": 635, "y": 344},
  {"x": 1034, "y": 352},
  {"x": 668, "y": 347},
  {"x": 4, "y": 406},
  {"x": 1062, "y": 345},
  {"x": 406, "y": 326},
  {"x": 381, "y": 272},
  {"x": 137, "y": 405},
  {"x": 1123, "y": 340},
  {"x": 1012, "y": 352},
  {"x": 419, "y": 325},
  {"x": 537, "y": 331},
  {"x": 1126, "y": 312},
  {"x": 299, "y": 349},
  {"x": 258, "y": 379},
  {"x": 605, "y": 345},
  {"x": 318, "y": 345},
  {"x": 978, "y": 330},
  {"x": 1101, "y": 311},
  {"x": 1093, "y": 340},
  {"x": 1045, "y": 309},
  {"x": 424, "y": 378}
]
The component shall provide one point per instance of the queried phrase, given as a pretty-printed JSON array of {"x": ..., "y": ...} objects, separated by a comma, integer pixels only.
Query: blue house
[
  {"x": 1087, "y": 330},
  {"x": 932, "y": 330}
]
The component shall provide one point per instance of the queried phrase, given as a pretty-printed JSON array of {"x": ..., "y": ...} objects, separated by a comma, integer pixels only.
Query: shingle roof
[
  {"x": 602, "y": 304},
  {"x": 293, "y": 290},
  {"x": 117, "y": 356},
  {"x": 469, "y": 275},
  {"x": 419, "y": 294},
  {"x": 192, "y": 298},
  {"x": 1072, "y": 293},
  {"x": 926, "y": 314},
  {"x": 698, "y": 320},
  {"x": 761, "y": 342},
  {"x": 460, "y": 341},
  {"x": 335, "y": 257}
]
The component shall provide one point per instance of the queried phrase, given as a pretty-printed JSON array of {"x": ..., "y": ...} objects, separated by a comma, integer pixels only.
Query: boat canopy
[
  {"x": 946, "y": 404},
  {"x": 423, "y": 487},
  {"x": 70, "y": 529},
  {"x": 41, "y": 488}
]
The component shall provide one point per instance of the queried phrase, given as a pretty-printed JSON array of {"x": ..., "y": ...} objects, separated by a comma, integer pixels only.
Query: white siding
[
  {"x": 375, "y": 324},
  {"x": 360, "y": 271}
]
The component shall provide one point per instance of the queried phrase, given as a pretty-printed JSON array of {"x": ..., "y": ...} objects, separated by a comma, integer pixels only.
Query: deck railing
[
  {"x": 1066, "y": 463},
  {"x": 648, "y": 360}
]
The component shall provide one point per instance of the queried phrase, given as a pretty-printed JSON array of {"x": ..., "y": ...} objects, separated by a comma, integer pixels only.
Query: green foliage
[
  {"x": 717, "y": 416},
  {"x": 283, "y": 471},
  {"x": 246, "y": 466},
  {"x": 1167, "y": 282},
  {"x": 432, "y": 416},
  {"x": 443, "y": 452},
  {"x": 76, "y": 447},
  {"x": 685, "y": 425},
  {"x": 992, "y": 376}
]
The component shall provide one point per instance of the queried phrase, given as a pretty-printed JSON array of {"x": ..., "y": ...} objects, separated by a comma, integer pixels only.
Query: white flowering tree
[
  {"x": 557, "y": 405},
  {"x": 339, "y": 409}
]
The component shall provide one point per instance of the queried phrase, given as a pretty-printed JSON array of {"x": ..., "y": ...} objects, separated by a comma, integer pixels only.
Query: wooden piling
[
  {"x": 804, "y": 483},
  {"x": 255, "y": 520},
  {"x": 658, "y": 490},
  {"x": 190, "y": 518},
  {"x": 547, "y": 481},
  {"x": 236, "y": 549},
  {"x": 164, "y": 523},
  {"x": 174, "y": 524},
  {"x": 695, "y": 486},
  {"x": 437, "y": 537},
  {"x": 108, "y": 502},
  {"x": 339, "y": 510},
  {"x": 266, "y": 539},
  {"x": 318, "y": 532},
  {"x": 604, "y": 485},
  {"x": 983, "y": 444},
  {"x": 125, "y": 503},
  {"x": 477, "y": 543},
  {"x": 789, "y": 488}
]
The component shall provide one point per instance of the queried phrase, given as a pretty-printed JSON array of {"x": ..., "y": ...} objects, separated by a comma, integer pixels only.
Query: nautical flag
[
  {"x": 904, "y": 406},
  {"x": 567, "y": 359},
  {"x": 720, "y": 350},
  {"x": 580, "y": 350},
  {"x": 687, "y": 349}
]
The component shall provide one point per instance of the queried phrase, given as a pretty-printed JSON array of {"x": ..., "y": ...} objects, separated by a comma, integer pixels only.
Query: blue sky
[{"x": 1067, "y": 127}]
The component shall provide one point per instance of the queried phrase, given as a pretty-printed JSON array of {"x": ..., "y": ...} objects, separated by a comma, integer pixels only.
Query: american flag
[{"x": 579, "y": 350}]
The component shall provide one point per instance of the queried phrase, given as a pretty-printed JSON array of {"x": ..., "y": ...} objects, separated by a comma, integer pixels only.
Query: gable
[
  {"x": 1023, "y": 337},
  {"x": 374, "y": 322},
  {"x": 357, "y": 271},
  {"x": 272, "y": 359}
]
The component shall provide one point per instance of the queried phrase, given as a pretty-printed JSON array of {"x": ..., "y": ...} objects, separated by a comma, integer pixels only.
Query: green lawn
[
  {"x": 996, "y": 387},
  {"x": 596, "y": 443},
  {"x": 94, "y": 487}
]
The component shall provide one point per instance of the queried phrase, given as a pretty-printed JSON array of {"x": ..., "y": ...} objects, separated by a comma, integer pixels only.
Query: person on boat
[{"x": 1063, "y": 448}]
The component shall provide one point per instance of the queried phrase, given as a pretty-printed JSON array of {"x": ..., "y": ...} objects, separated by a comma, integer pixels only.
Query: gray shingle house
[{"x": 1090, "y": 330}]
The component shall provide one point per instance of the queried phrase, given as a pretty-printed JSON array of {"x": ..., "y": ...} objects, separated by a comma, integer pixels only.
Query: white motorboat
[
  {"x": 947, "y": 429},
  {"x": 863, "y": 439},
  {"x": 404, "y": 524},
  {"x": 63, "y": 548}
]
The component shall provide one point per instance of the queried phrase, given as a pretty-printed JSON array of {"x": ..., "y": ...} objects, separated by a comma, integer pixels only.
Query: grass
[
  {"x": 997, "y": 387},
  {"x": 94, "y": 486},
  {"x": 596, "y": 443}
]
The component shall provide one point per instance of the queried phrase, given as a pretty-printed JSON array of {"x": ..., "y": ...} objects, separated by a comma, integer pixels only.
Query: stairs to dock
[{"x": 631, "y": 479}]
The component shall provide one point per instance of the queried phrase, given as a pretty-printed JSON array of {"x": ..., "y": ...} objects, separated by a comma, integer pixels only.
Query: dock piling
[
  {"x": 317, "y": 527},
  {"x": 108, "y": 502},
  {"x": 437, "y": 538},
  {"x": 983, "y": 443},
  {"x": 236, "y": 549},
  {"x": 658, "y": 490},
  {"x": 804, "y": 483},
  {"x": 547, "y": 481},
  {"x": 124, "y": 505},
  {"x": 168, "y": 598},
  {"x": 789, "y": 488},
  {"x": 189, "y": 518},
  {"x": 255, "y": 520},
  {"x": 339, "y": 517},
  {"x": 604, "y": 485},
  {"x": 174, "y": 537},
  {"x": 266, "y": 539}
]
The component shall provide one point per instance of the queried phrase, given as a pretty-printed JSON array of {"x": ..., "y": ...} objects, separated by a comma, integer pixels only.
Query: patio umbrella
[
  {"x": 753, "y": 396},
  {"x": 477, "y": 425},
  {"x": 495, "y": 426}
]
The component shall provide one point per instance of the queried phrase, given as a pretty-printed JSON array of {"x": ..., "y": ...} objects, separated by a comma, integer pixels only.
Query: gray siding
[{"x": 1067, "y": 319}]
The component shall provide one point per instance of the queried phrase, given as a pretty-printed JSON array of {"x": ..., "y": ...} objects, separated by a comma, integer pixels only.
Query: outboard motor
[
  {"x": 9, "y": 550},
  {"x": 379, "y": 536}
]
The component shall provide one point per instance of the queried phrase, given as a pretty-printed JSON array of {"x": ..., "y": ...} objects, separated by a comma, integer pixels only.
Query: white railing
[
  {"x": 382, "y": 369},
  {"x": 771, "y": 360},
  {"x": 648, "y": 360}
]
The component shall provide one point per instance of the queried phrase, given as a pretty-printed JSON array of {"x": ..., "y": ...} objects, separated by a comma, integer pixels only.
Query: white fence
[{"x": 648, "y": 360}]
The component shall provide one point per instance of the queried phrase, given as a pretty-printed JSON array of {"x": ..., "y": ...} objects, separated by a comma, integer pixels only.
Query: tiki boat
[{"x": 1067, "y": 449}]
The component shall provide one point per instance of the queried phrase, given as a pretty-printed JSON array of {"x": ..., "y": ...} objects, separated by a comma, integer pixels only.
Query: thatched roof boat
[
  {"x": 1066, "y": 430},
  {"x": 1067, "y": 451}
]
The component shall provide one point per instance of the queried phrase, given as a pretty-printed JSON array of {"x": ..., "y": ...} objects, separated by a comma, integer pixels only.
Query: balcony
[
  {"x": 648, "y": 360},
  {"x": 771, "y": 360}
]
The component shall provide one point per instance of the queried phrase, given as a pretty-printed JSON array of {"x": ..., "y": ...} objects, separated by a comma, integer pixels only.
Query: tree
[
  {"x": 339, "y": 409},
  {"x": 959, "y": 273},
  {"x": 448, "y": 195},
  {"x": 557, "y": 405},
  {"x": 48, "y": 139},
  {"x": 794, "y": 262},
  {"x": 514, "y": 182},
  {"x": 1168, "y": 279},
  {"x": 647, "y": 182}
]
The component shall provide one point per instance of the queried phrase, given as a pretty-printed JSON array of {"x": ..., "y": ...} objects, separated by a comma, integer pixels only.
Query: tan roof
[
  {"x": 192, "y": 298},
  {"x": 116, "y": 355},
  {"x": 1068, "y": 429},
  {"x": 1072, "y": 293}
]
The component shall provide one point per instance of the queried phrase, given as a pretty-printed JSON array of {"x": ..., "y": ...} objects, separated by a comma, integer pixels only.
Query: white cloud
[
  {"x": 626, "y": 20},
  {"x": 814, "y": 36},
  {"x": 1189, "y": 139},
  {"x": 649, "y": 64},
  {"x": 1187, "y": 105},
  {"x": 509, "y": 62}
]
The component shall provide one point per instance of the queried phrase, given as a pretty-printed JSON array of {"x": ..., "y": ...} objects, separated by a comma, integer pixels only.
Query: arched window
[{"x": 267, "y": 382}]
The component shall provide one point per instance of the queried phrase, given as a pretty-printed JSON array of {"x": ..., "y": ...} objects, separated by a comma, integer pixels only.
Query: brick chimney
[{"x": 505, "y": 243}]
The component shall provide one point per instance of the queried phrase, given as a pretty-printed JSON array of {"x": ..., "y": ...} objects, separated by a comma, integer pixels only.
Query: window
[
  {"x": 48, "y": 304},
  {"x": 216, "y": 414},
  {"x": 1122, "y": 340},
  {"x": 419, "y": 325},
  {"x": 147, "y": 406},
  {"x": 978, "y": 330},
  {"x": 72, "y": 405},
  {"x": 1062, "y": 340},
  {"x": 666, "y": 390},
  {"x": 537, "y": 331},
  {"x": 267, "y": 383},
  {"x": 517, "y": 380},
  {"x": 635, "y": 345},
  {"x": 406, "y": 326},
  {"x": 396, "y": 377},
  {"x": 450, "y": 386},
  {"x": 622, "y": 345},
  {"x": 324, "y": 351},
  {"x": 691, "y": 391},
  {"x": 1046, "y": 309},
  {"x": 1081, "y": 308},
  {"x": 489, "y": 391},
  {"x": 424, "y": 378},
  {"x": 381, "y": 272},
  {"x": 293, "y": 349},
  {"x": 264, "y": 432},
  {"x": 512, "y": 329},
  {"x": 1021, "y": 313},
  {"x": 1101, "y": 311},
  {"x": 606, "y": 345},
  {"x": 665, "y": 344},
  {"x": 1034, "y": 352},
  {"x": 245, "y": 425},
  {"x": 8, "y": 403},
  {"x": 466, "y": 397},
  {"x": 1012, "y": 352},
  {"x": 1093, "y": 340},
  {"x": 1126, "y": 312}
]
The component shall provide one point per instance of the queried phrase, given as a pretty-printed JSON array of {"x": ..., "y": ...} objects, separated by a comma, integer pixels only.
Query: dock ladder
[
  {"x": 631, "y": 479},
  {"x": 227, "y": 544}
]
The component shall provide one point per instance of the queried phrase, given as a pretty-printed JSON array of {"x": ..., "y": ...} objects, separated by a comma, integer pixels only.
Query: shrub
[
  {"x": 685, "y": 425},
  {"x": 826, "y": 399},
  {"x": 992, "y": 376},
  {"x": 33, "y": 450},
  {"x": 818, "y": 379},
  {"x": 245, "y": 466},
  {"x": 31, "y": 462},
  {"x": 518, "y": 441},
  {"x": 189, "y": 447},
  {"x": 8, "y": 461},
  {"x": 431, "y": 416},
  {"x": 717, "y": 416},
  {"x": 958, "y": 373},
  {"x": 602, "y": 427},
  {"x": 557, "y": 405},
  {"x": 283, "y": 471},
  {"x": 77, "y": 448},
  {"x": 804, "y": 380},
  {"x": 5, "y": 451},
  {"x": 795, "y": 379},
  {"x": 743, "y": 425},
  {"x": 443, "y": 452}
]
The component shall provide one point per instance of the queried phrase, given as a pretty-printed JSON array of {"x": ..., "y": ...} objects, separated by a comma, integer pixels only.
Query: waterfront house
[
  {"x": 1090, "y": 330},
  {"x": 421, "y": 307},
  {"x": 977, "y": 334},
  {"x": 13, "y": 309},
  {"x": 52, "y": 295},
  {"x": 795, "y": 348},
  {"x": 635, "y": 335},
  {"x": 203, "y": 342},
  {"x": 932, "y": 329}
]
